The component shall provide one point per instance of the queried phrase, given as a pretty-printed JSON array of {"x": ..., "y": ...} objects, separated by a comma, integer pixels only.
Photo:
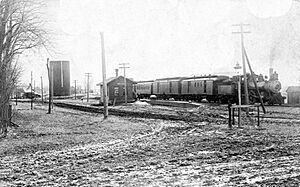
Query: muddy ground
[{"x": 73, "y": 148}]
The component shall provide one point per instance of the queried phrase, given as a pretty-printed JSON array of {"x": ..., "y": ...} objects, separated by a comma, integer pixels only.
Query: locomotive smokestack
[
  {"x": 117, "y": 72},
  {"x": 270, "y": 73}
]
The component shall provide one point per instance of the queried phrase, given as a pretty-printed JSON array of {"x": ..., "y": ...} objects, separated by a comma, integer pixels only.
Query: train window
[
  {"x": 170, "y": 87},
  {"x": 195, "y": 84},
  {"x": 204, "y": 86},
  {"x": 158, "y": 87}
]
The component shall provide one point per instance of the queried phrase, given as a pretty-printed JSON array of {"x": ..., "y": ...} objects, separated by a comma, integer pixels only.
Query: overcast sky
[{"x": 167, "y": 38}]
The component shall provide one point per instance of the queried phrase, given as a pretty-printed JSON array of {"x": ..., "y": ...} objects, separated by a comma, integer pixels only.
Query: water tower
[{"x": 61, "y": 77}]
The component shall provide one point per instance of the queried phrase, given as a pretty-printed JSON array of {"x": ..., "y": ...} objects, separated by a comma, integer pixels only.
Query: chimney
[{"x": 117, "y": 72}]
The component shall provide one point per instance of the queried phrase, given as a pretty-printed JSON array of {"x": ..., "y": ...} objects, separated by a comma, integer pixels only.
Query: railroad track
[
  {"x": 217, "y": 114},
  {"x": 180, "y": 115},
  {"x": 118, "y": 112}
]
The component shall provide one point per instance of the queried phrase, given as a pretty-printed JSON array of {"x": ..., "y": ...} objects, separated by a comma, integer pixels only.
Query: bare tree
[{"x": 20, "y": 29}]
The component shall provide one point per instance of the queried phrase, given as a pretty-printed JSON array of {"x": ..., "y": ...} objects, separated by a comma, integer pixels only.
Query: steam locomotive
[{"x": 213, "y": 88}]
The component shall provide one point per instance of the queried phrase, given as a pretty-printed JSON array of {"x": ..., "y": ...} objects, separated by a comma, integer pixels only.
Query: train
[{"x": 212, "y": 88}]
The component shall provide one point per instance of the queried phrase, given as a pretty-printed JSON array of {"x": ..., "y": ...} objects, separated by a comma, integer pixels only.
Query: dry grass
[{"x": 63, "y": 128}]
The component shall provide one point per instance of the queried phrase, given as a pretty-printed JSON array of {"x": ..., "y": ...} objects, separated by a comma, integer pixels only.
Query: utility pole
[
  {"x": 50, "y": 86},
  {"x": 75, "y": 88},
  {"x": 42, "y": 90},
  {"x": 88, "y": 85},
  {"x": 16, "y": 95},
  {"x": 242, "y": 32},
  {"x": 34, "y": 92},
  {"x": 237, "y": 68},
  {"x": 123, "y": 66},
  {"x": 31, "y": 94},
  {"x": 105, "y": 111}
]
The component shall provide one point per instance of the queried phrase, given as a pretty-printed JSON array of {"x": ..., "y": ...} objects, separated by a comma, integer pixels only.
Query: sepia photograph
[{"x": 149, "y": 93}]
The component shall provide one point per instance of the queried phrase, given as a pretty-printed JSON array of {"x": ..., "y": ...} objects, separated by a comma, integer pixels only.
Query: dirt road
[{"x": 80, "y": 150}]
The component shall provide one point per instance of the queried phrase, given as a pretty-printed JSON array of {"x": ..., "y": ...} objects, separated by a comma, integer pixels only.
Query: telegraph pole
[
  {"x": 34, "y": 88},
  {"x": 52, "y": 85},
  {"x": 123, "y": 66},
  {"x": 31, "y": 103},
  {"x": 88, "y": 85},
  {"x": 42, "y": 90},
  {"x": 242, "y": 32},
  {"x": 237, "y": 67},
  {"x": 16, "y": 95},
  {"x": 105, "y": 111},
  {"x": 75, "y": 81}
]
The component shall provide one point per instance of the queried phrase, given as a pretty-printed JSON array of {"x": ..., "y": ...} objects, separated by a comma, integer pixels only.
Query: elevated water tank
[{"x": 61, "y": 77}]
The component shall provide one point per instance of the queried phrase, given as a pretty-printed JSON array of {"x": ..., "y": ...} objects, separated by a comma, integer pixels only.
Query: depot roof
[{"x": 109, "y": 80}]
